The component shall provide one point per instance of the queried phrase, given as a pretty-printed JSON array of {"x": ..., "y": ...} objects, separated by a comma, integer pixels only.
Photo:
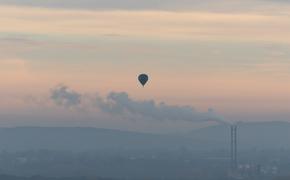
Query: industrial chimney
[{"x": 234, "y": 148}]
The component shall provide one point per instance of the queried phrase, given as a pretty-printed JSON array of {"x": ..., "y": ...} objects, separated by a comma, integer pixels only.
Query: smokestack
[{"x": 234, "y": 148}]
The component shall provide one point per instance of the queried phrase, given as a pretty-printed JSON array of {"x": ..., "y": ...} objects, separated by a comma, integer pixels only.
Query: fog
[
  {"x": 79, "y": 150},
  {"x": 70, "y": 148},
  {"x": 91, "y": 153},
  {"x": 216, "y": 106}
]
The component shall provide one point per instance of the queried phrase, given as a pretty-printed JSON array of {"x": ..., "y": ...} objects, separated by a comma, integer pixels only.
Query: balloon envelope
[{"x": 143, "y": 79}]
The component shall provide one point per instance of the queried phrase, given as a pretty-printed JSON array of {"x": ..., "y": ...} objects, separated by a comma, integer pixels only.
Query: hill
[
  {"x": 256, "y": 135},
  {"x": 262, "y": 135}
]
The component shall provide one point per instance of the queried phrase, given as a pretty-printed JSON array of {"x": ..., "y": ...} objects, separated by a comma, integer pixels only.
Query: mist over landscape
[
  {"x": 92, "y": 152},
  {"x": 144, "y": 90}
]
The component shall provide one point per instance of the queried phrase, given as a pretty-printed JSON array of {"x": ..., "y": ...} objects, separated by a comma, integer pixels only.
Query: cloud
[
  {"x": 120, "y": 104},
  {"x": 63, "y": 96},
  {"x": 221, "y": 5},
  {"x": 110, "y": 4},
  {"x": 189, "y": 25}
]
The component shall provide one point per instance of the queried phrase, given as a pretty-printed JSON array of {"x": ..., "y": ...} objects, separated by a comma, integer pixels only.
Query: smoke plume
[
  {"x": 63, "y": 96},
  {"x": 119, "y": 103}
]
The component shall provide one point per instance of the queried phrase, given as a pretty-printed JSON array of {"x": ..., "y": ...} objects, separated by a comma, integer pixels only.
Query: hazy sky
[{"x": 231, "y": 55}]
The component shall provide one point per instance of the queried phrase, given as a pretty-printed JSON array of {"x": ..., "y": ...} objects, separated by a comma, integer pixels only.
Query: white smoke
[
  {"x": 64, "y": 96},
  {"x": 119, "y": 103}
]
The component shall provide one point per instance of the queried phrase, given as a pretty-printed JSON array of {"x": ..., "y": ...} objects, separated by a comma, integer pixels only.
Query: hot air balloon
[{"x": 143, "y": 79}]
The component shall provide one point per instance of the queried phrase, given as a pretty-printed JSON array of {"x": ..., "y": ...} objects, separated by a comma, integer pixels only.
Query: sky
[{"x": 75, "y": 63}]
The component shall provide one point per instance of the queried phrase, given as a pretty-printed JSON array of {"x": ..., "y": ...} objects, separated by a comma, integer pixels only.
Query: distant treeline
[
  {"x": 8, "y": 177},
  {"x": 283, "y": 178}
]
